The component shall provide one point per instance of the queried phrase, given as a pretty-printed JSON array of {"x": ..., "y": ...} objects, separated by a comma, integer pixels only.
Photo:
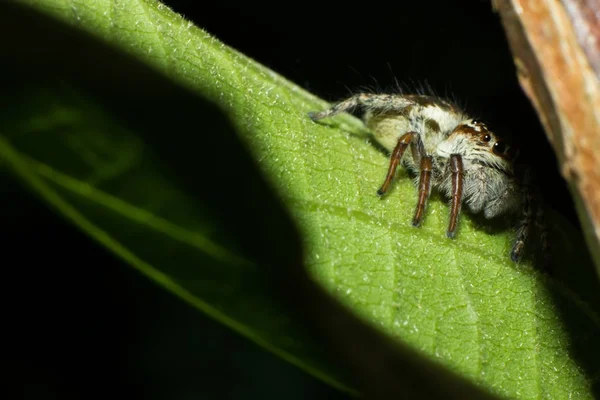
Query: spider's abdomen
[{"x": 387, "y": 127}]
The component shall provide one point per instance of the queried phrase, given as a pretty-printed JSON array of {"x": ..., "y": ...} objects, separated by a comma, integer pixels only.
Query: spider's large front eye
[
  {"x": 487, "y": 138},
  {"x": 499, "y": 147}
]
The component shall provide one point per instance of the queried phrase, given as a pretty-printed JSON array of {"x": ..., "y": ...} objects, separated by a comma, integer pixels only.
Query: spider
[{"x": 453, "y": 153}]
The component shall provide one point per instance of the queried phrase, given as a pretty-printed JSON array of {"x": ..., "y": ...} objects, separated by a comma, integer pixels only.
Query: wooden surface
[{"x": 556, "y": 50}]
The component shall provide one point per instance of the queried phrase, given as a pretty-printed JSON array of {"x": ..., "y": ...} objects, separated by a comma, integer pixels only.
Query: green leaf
[{"x": 461, "y": 303}]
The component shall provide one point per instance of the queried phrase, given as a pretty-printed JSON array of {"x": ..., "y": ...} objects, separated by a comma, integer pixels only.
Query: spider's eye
[
  {"x": 487, "y": 138},
  {"x": 499, "y": 147}
]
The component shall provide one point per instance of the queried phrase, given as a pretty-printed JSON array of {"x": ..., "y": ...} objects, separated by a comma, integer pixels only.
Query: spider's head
[{"x": 475, "y": 142}]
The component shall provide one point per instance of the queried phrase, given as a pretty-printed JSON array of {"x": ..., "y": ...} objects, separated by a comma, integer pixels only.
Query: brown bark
[{"x": 556, "y": 50}]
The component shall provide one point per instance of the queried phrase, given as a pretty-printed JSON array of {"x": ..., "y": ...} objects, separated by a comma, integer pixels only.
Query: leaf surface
[{"x": 460, "y": 302}]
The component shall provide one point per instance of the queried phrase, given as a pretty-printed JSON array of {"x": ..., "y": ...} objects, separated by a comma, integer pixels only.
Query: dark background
[{"x": 135, "y": 339}]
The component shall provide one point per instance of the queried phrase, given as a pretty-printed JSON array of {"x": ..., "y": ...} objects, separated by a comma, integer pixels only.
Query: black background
[{"x": 136, "y": 340}]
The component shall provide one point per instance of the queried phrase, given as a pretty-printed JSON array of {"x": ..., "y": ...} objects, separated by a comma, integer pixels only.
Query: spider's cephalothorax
[{"x": 451, "y": 152}]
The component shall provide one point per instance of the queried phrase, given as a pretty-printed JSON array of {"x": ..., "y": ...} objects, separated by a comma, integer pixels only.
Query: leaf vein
[{"x": 471, "y": 309}]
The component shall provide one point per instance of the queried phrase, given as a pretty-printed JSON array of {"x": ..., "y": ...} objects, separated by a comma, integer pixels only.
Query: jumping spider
[{"x": 453, "y": 153}]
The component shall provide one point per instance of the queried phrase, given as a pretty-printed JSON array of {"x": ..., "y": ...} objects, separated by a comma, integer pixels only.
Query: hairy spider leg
[
  {"x": 373, "y": 101},
  {"x": 456, "y": 167},
  {"x": 403, "y": 142},
  {"x": 424, "y": 189},
  {"x": 540, "y": 222},
  {"x": 412, "y": 139},
  {"x": 524, "y": 227}
]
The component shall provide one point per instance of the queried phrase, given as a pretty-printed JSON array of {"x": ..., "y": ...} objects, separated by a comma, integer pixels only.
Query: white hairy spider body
[
  {"x": 488, "y": 190},
  {"x": 449, "y": 151}
]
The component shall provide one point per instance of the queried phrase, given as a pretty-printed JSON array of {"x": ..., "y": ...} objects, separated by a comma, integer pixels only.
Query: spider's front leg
[
  {"x": 404, "y": 141},
  {"x": 412, "y": 139},
  {"x": 456, "y": 168},
  {"x": 533, "y": 214},
  {"x": 524, "y": 227},
  {"x": 424, "y": 189},
  {"x": 540, "y": 222}
]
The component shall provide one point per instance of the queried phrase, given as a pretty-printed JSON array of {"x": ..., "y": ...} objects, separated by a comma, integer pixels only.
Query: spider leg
[
  {"x": 424, "y": 189},
  {"x": 403, "y": 142},
  {"x": 456, "y": 167},
  {"x": 525, "y": 226},
  {"x": 540, "y": 222},
  {"x": 412, "y": 139},
  {"x": 373, "y": 101}
]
